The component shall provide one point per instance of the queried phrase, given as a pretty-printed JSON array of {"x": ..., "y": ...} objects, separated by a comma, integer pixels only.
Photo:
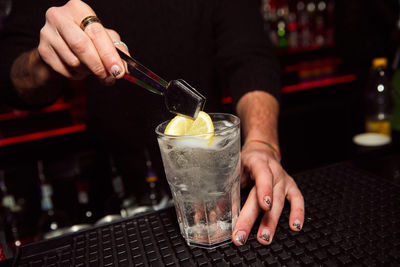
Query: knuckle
[
  {"x": 43, "y": 35},
  {"x": 99, "y": 71},
  {"x": 94, "y": 30},
  {"x": 297, "y": 196},
  {"x": 41, "y": 50},
  {"x": 74, "y": 3},
  {"x": 44, "y": 53},
  {"x": 300, "y": 197},
  {"x": 300, "y": 210},
  {"x": 108, "y": 57},
  {"x": 51, "y": 13},
  {"x": 74, "y": 62},
  {"x": 54, "y": 15},
  {"x": 292, "y": 184}
]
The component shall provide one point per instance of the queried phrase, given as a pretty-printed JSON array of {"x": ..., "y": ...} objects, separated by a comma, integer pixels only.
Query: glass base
[{"x": 209, "y": 246}]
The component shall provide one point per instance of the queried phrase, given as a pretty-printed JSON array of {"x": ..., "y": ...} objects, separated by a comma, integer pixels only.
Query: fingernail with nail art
[
  {"x": 240, "y": 237},
  {"x": 265, "y": 235},
  {"x": 267, "y": 201},
  {"x": 115, "y": 70},
  {"x": 297, "y": 224}
]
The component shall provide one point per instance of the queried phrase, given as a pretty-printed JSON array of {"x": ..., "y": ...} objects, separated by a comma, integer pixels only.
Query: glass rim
[{"x": 235, "y": 124}]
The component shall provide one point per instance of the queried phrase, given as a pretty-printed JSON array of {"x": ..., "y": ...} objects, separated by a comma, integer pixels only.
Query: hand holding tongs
[{"x": 180, "y": 97}]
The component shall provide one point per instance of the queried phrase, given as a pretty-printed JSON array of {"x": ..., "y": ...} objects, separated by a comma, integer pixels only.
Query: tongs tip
[{"x": 181, "y": 98}]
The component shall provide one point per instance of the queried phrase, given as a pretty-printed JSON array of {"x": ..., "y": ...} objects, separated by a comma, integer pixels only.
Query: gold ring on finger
[{"x": 89, "y": 20}]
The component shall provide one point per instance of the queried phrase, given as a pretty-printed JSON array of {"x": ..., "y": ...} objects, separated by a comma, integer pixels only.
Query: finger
[
  {"x": 83, "y": 47},
  {"x": 247, "y": 217},
  {"x": 49, "y": 35},
  {"x": 121, "y": 46},
  {"x": 55, "y": 53},
  {"x": 115, "y": 37},
  {"x": 270, "y": 219},
  {"x": 264, "y": 179},
  {"x": 51, "y": 58},
  {"x": 78, "y": 41},
  {"x": 296, "y": 200},
  {"x": 106, "y": 49}
]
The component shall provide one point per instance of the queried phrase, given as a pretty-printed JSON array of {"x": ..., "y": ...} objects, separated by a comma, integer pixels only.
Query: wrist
[
  {"x": 29, "y": 71},
  {"x": 35, "y": 83},
  {"x": 272, "y": 147}
]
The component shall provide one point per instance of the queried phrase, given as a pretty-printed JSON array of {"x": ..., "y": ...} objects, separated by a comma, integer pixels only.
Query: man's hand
[
  {"x": 66, "y": 49},
  {"x": 75, "y": 52},
  {"x": 258, "y": 112},
  {"x": 272, "y": 186}
]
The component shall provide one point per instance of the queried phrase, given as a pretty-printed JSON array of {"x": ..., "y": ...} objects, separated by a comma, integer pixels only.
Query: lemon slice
[
  {"x": 201, "y": 125},
  {"x": 181, "y": 125}
]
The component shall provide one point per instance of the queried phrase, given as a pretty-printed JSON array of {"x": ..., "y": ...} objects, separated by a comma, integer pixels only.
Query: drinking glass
[{"x": 203, "y": 172}]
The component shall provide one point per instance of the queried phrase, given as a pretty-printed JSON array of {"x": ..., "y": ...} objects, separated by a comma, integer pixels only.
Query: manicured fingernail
[
  {"x": 297, "y": 225},
  {"x": 115, "y": 70},
  {"x": 267, "y": 201},
  {"x": 110, "y": 80},
  {"x": 265, "y": 234},
  {"x": 240, "y": 237}
]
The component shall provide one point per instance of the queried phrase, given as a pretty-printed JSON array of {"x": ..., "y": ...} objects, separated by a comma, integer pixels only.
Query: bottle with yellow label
[{"x": 378, "y": 99}]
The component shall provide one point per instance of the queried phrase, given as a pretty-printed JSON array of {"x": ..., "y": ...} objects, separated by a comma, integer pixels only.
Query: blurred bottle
[
  {"x": 5, "y": 252},
  {"x": 292, "y": 27},
  {"x": 282, "y": 13},
  {"x": 268, "y": 10},
  {"x": 303, "y": 21},
  {"x": 320, "y": 23},
  {"x": 84, "y": 212},
  {"x": 9, "y": 213},
  {"x": 378, "y": 99},
  {"x": 119, "y": 200},
  {"x": 152, "y": 196},
  {"x": 395, "y": 122},
  {"x": 50, "y": 219}
]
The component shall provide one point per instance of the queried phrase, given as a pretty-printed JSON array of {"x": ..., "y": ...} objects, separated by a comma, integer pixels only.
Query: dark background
[{"x": 318, "y": 118}]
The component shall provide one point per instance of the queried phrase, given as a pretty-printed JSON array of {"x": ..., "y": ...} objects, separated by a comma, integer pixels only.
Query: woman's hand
[
  {"x": 75, "y": 52},
  {"x": 272, "y": 185}
]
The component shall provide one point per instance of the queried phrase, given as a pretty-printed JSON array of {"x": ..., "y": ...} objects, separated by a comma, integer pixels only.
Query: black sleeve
[
  {"x": 246, "y": 57},
  {"x": 20, "y": 34}
]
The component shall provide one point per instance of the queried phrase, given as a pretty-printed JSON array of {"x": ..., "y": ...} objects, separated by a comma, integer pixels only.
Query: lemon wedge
[{"x": 181, "y": 125}]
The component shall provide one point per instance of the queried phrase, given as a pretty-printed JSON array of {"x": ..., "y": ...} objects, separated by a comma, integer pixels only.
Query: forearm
[
  {"x": 34, "y": 81},
  {"x": 259, "y": 112}
]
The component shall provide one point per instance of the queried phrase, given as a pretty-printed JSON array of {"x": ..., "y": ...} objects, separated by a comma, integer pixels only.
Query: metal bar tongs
[{"x": 179, "y": 96}]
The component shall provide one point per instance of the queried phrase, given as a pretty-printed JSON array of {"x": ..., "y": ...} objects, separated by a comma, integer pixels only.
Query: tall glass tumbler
[{"x": 203, "y": 173}]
